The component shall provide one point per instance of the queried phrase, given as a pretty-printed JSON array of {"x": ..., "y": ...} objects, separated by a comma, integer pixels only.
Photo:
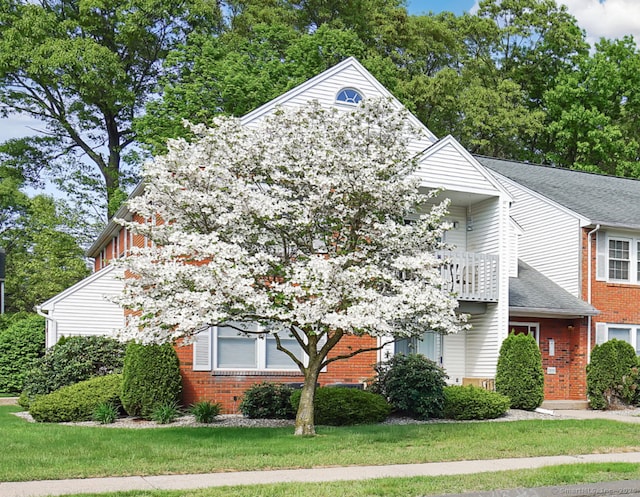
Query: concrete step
[
  {"x": 559, "y": 405},
  {"x": 8, "y": 401}
]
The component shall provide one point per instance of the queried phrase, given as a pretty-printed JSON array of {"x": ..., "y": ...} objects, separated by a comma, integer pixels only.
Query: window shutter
[
  {"x": 601, "y": 256},
  {"x": 202, "y": 350},
  {"x": 601, "y": 333}
]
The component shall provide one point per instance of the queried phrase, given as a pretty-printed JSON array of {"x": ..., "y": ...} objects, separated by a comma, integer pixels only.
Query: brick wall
[
  {"x": 617, "y": 303},
  {"x": 569, "y": 382},
  {"x": 227, "y": 388}
]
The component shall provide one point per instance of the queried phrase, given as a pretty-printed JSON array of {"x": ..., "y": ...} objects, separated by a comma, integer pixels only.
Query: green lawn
[
  {"x": 49, "y": 451},
  {"x": 415, "y": 487}
]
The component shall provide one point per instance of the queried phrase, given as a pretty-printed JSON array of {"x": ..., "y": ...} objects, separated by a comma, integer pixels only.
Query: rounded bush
[
  {"x": 519, "y": 374},
  {"x": 72, "y": 360},
  {"x": 612, "y": 375},
  {"x": 339, "y": 406},
  {"x": 413, "y": 384},
  {"x": 151, "y": 377},
  {"x": 268, "y": 401},
  {"x": 21, "y": 344},
  {"x": 471, "y": 402},
  {"x": 77, "y": 402}
]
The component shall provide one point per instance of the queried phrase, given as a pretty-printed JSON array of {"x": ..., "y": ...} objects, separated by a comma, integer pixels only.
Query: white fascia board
[
  {"x": 499, "y": 191},
  {"x": 310, "y": 83},
  {"x": 50, "y": 304}
]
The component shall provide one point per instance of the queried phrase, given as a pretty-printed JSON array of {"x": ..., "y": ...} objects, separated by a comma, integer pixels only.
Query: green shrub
[
  {"x": 77, "y": 402},
  {"x": 413, "y": 384},
  {"x": 473, "y": 403},
  {"x": 106, "y": 413},
  {"x": 612, "y": 375},
  {"x": 268, "y": 401},
  {"x": 205, "y": 411},
  {"x": 339, "y": 406},
  {"x": 21, "y": 344},
  {"x": 151, "y": 377},
  {"x": 519, "y": 374},
  {"x": 165, "y": 413},
  {"x": 72, "y": 360}
]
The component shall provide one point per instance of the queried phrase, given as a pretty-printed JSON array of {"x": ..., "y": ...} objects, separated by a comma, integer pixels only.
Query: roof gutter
[{"x": 589, "y": 271}]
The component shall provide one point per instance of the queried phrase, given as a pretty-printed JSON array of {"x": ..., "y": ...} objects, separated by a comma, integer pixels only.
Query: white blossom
[{"x": 298, "y": 223}]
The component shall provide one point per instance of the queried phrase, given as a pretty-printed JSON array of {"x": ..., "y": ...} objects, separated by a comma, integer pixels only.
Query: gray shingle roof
[
  {"x": 535, "y": 293},
  {"x": 606, "y": 200}
]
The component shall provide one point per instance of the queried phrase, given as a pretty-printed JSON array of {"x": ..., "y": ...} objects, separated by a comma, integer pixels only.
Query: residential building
[{"x": 506, "y": 274}]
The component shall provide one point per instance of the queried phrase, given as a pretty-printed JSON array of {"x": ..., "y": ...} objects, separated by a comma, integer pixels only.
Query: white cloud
[
  {"x": 602, "y": 18},
  {"x": 606, "y": 18}
]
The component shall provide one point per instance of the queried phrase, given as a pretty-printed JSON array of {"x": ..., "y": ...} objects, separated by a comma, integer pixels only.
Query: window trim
[
  {"x": 205, "y": 354},
  {"x": 602, "y": 333},
  {"x": 632, "y": 260},
  {"x": 345, "y": 102},
  {"x": 603, "y": 239},
  {"x": 532, "y": 325}
]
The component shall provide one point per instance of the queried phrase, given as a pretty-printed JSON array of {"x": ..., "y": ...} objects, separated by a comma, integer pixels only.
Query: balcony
[{"x": 471, "y": 276}]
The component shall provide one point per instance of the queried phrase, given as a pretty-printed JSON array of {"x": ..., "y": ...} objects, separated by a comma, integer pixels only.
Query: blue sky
[{"x": 424, "y": 6}]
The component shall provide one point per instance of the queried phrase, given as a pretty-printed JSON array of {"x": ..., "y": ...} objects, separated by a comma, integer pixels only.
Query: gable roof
[
  {"x": 606, "y": 200},
  {"x": 347, "y": 72},
  {"x": 533, "y": 294},
  {"x": 447, "y": 164},
  {"x": 89, "y": 280}
]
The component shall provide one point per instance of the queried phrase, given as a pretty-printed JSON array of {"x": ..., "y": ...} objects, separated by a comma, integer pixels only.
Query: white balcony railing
[{"x": 471, "y": 275}]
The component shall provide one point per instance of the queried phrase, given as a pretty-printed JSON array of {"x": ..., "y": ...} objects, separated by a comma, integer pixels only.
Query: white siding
[
  {"x": 454, "y": 357},
  {"x": 514, "y": 242},
  {"x": 446, "y": 167},
  {"x": 551, "y": 239},
  {"x": 325, "y": 87},
  {"x": 490, "y": 234},
  {"x": 84, "y": 309},
  {"x": 457, "y": 236},
  {"x": 483, "y": 343}
]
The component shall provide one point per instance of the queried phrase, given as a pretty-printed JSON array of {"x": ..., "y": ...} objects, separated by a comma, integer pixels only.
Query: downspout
[
  {"x": 49, "y": 319},
  {"x": 589, "y": 289}
]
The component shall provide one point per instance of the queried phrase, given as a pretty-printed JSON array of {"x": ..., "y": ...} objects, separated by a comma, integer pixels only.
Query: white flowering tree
[{"x": 298, "y": 224}]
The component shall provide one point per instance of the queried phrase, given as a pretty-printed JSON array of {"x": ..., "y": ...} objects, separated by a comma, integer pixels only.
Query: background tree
[
  {"x": 43, "y": 255},
  {"x": 294, "y": 225},
  {"x": 594, "y": 111},
  {"x": 85, "y": 68}
]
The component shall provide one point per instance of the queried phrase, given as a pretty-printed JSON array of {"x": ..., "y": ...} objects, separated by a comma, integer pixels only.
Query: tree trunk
[{"x": 305, "y": 424}]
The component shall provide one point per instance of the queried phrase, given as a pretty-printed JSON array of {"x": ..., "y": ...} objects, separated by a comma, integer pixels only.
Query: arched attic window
[{"x": 349, "y": 96}]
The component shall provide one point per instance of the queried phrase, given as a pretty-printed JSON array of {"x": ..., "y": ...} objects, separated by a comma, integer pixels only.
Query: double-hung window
[
  {"x": 618, "y": 258},
  {"x": 243, "y": 347}
]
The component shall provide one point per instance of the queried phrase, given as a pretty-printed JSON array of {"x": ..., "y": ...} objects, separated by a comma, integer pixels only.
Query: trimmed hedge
[
  {"x": 73, "y": 360},
  {"x": 339, "y": 406},
  {"x": 77, "y": 402},
  {"x": 268, "y": 401},
  {"x": 413, "y": 384},
  {"x": 519, "y": 374},
  {"x": 21, "y": 344},
  {"x": 471, "y": 402},
  {"x": 151, "y": 377},
  {"x": 612, "y": 375}
]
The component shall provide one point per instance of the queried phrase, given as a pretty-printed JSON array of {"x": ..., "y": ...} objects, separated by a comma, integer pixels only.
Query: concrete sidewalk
[{"x": 183, "y": 482}]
